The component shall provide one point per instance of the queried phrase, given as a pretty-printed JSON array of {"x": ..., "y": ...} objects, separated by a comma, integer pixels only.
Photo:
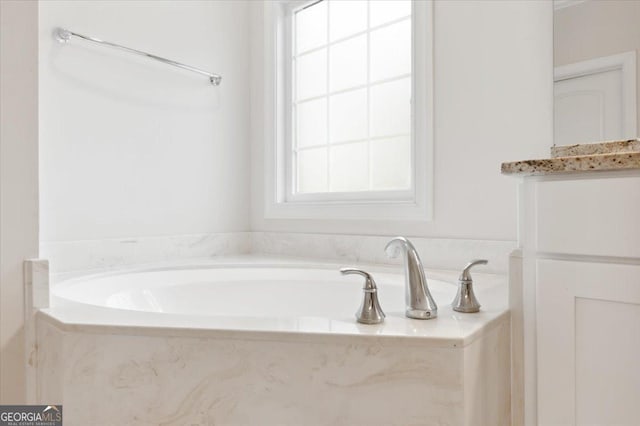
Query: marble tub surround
[
  {"x": 37, "y": 294},
  {"x": 36, "y": 297},
  {"x": 184, "y": 369},
  {"x": 611, "y": 147},
  {"x": 608, "y": 156},
  {"x": 83, "y": 255},
  {"x": 438, "y": 253},
  {"x": 171, "y": 380}
]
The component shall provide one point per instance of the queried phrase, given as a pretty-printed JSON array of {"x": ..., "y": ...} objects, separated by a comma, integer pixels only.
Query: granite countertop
[{"x": 614, "y": 155}]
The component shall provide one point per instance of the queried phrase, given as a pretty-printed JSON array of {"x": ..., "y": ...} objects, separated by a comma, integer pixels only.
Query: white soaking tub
[{"x": 269, "y": 342}]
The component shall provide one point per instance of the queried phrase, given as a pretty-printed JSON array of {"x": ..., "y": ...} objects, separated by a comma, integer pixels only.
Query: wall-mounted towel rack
[{"x": 62, "y": 35}]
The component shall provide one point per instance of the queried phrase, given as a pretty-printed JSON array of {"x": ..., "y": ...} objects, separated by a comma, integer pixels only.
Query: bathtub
[{"x": 268, "y": 341}]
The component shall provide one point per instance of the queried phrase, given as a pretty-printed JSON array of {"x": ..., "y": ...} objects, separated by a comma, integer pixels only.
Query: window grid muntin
[
  {"x": 350, "y": 141},
  {"x": 353, "y": 88},
  {"x": 354, "y": 35}
]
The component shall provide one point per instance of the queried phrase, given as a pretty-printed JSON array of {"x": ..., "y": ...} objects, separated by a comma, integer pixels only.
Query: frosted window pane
[
  {"x": 348, "y": 112},
  {"x": 311, "y": 123},
  {"x": 346, "y": 17},
  {"x": 348, "y": 62},
  {"x": 349, "y": 167},
  {"x": 390, "y": 108},
  {"x": 311, "y": 27},
  {"x": 388, "y": 10},
  {"x": 391, "y": 51},
  {"x": 311, "y": 74},
  {"x": 376, "y": 115},
  {"x": 312, "y": 170},
  {"x": 391, "y": 163}
]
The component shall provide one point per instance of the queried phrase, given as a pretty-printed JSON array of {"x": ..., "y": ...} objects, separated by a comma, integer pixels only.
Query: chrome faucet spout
[{"x": 419, "y": 302}]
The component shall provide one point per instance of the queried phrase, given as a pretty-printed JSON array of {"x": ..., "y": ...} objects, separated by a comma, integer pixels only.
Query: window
[
  {"x": 351, "y": 97},
  {"x": 346, "y": 97}
]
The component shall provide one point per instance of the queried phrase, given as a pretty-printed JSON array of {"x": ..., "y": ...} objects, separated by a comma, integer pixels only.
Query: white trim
[
  {"x": 626, "y": 63},
  {"x": 327, "y": 112},
  {"x": 416, "y": 205}
]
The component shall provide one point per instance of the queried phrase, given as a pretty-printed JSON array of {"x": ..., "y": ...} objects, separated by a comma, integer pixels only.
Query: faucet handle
[
  {"x": 466, "y": 272},
  {"x": 465, "y": 300},
  {"x": 369, "y": 283},
  {"x": 370, "y": 311}
]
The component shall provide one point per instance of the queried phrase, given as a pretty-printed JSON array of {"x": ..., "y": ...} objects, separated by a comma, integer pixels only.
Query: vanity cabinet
[{"x": 576, "y": 302}]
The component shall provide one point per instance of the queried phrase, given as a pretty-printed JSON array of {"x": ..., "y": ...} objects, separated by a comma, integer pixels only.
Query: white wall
[
  {"x": 134, "y": 148},
  {"x": 597, "y": 28},
  {"x": 493, "y": 103},
  {"x": 18, "y": 184}
]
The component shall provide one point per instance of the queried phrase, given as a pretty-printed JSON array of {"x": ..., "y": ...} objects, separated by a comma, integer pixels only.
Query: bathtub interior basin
[
  {"x": 254, "y": 294},
  {"x": 262, "y": 291}
]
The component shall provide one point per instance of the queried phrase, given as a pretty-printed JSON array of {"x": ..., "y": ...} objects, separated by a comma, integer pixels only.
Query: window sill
[{"x": 351, "y": 210}]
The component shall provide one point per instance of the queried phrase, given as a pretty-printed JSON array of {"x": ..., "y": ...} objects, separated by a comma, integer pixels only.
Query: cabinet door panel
[{"x": 588, "y": 319}]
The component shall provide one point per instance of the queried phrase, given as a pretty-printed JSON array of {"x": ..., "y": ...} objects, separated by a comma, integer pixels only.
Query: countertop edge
[{"x": 575, "y": 164}]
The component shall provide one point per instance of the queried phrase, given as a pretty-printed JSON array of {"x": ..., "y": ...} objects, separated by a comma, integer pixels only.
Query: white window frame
[{"x": 415, "y": 204}]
